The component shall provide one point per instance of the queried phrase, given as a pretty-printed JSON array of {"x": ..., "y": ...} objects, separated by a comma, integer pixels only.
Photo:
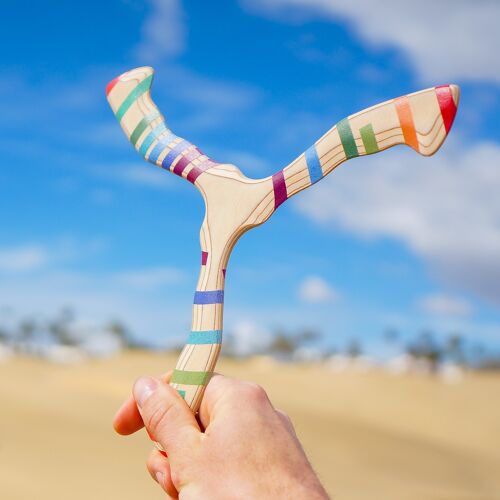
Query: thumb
[{"x": 166, "y": 415}]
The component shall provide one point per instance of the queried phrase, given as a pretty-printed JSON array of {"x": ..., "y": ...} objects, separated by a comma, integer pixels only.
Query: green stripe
[
  {"x": 369, "y": 139},
  {"x": 190, "y": 378},
  {"x": 142, "y": 87},
  {"x": 348, "y": 143},
  {"x": 141, "y": 126}
]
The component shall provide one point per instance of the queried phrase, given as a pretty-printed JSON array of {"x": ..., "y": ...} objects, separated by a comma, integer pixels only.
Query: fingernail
[
  {"x": 143, "y": 388},
  {"x": 160, "y": 477}
]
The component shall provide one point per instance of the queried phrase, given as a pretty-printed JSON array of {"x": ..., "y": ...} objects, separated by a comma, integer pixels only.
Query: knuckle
[
  {"x": 284, "y": 417},
  {"x": 254, "y": 392}
]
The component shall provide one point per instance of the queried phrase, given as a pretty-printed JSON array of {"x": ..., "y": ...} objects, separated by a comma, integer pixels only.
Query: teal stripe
[
  {"x": 190, "y": 378},
  {"x": 348, "y": 143},
  {"x": 141, "y": 126},
  {"x": 182, "y": 393},
  {"x": 142, "y": 87},
  {"x": 151, "y": 137},
  {"x": 369, "y": 139},
  {"x": 205, "y": 337}
]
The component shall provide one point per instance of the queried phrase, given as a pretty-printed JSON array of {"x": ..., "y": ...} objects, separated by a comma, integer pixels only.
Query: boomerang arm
[
  {"x": 421, "y": 120},
  {"x": 129, "y": 97}
]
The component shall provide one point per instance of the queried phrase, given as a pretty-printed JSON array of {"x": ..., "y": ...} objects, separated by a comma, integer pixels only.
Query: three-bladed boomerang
[{"x": 235, "y": 203}]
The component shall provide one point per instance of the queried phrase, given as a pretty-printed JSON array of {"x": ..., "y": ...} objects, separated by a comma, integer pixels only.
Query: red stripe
[
  {"x": 279, "y": 186},
  {"x": 447, "y": 105},
  {"x": 111, "y": 84},
  {"x": 204, "y": 257}
]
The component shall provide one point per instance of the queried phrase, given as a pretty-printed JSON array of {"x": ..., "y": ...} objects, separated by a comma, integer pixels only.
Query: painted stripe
[
  {"x": 186, "y": 160},
  {"x": 446, "y": 105},
  {"x": 142, "y": 125},
  {"x": 151, "y": 137},
  {"x": 313, "y": 164},
  {"x": 406, "y": 122},
  {"x": 369, "y": 139},
  {"x": 205, "y": 337},
  {"x": 161, "y": 145},
  {"x": 190, "y": 378},
  {"x": 347, "y": 139},
  {"x": 204, "y": 258},
  {"x": 224, "y": 273},
  {"x": 279, "y": 187},
  {"x": 195, "y": 172},
  {"x": 111, "y": 85},
  {"x": 174, "y": 153},
  {"x": 183, "y": 396},
  {"x": 136, "y": 92},
  {"x": 209, "y": 297}
]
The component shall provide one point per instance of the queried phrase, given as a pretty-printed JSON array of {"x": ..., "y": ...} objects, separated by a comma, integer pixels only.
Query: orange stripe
[{"x": 406, "y": 121}]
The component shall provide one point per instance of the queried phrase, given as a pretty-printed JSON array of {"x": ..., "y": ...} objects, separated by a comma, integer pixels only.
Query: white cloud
[
  {"x": 23, "y": 258},
  {"x": 444, "y": 39},
  {"x": 441, "y": 304},
  {"x": 316, "y": 290},
  {"x": 446, "y": 209},
  {"x": 150, "y": 278},
  {"x": 163, "y": 31},
  {"x": 248, "y": 337}
]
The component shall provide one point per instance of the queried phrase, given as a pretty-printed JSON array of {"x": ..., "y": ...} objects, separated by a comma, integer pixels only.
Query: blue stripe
[
  {"x": 157, "y": 131},
  {"x": 162, "y": 144},
  {"x": 210, "y": 297},
  {"x": 169, "y": 159},
  {"x": 205, "y": 337},
  {"x": 313, "y": 164}
]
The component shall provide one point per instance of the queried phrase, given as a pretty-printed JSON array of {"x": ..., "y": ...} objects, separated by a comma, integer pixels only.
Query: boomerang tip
[{"x": 143, "y": 71}]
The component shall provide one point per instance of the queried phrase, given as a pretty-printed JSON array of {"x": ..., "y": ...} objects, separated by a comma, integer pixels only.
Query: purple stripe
[
  {"x": 174, "y": 153},
  {"x": 210, "y": 297},
  {"x": 279, "y": 186}
]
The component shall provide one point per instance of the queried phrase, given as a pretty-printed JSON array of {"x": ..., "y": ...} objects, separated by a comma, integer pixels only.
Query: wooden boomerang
[{"x": 234, "y": 203}]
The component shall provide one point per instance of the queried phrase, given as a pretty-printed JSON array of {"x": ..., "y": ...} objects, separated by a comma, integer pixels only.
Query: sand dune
[{"x": 369, "y": 436}]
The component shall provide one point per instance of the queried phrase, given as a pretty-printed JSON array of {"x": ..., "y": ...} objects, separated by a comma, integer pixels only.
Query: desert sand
[{"x": 369, "y": 435}]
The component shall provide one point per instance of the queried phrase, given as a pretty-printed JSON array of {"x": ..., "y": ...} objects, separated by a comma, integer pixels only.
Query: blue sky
[{"x": 407, "y": 242}]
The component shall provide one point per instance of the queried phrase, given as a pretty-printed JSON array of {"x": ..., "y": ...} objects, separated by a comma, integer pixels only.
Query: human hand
[{"x": 241, "y": 447}]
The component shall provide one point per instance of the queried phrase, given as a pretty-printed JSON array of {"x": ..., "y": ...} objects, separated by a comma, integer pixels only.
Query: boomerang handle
[
  {"x": 421, "y": 120},
  {"x": 129, "y": 96}
]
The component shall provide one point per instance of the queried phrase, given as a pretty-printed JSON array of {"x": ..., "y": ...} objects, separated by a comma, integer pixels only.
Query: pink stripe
[
  {"x": 185, "y": 161},
  {"x": 279, "y": 186},
  {"x": 204, "y": 257},
  {"x": 195, "y": 172}
]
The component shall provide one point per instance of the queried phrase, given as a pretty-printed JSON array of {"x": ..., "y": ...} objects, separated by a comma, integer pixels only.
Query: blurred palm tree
[{"x": 60, "y": 327}]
